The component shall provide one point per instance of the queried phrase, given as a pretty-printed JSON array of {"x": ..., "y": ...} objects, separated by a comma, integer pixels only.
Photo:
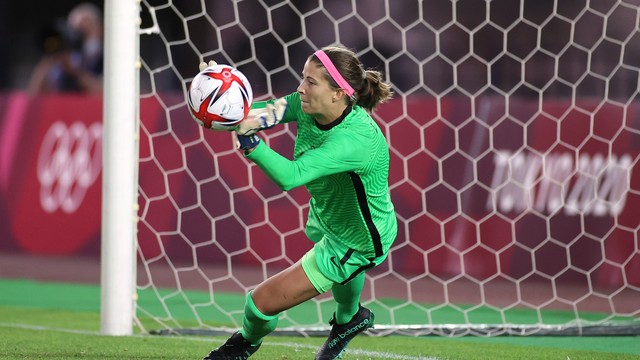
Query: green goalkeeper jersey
[{"x": 345, "y": 168}]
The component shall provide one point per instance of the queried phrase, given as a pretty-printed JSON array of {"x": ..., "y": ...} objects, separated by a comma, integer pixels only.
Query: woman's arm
[{"x": 336, "y": 155}]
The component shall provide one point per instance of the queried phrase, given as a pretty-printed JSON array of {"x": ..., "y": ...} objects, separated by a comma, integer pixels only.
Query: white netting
[{"x": 515, "y": 141}]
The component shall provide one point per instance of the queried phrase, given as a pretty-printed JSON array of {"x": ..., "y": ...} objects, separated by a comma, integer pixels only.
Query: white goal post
[
  {"x": 515, "y": 165},
  {"x": 119, "y": 179}
]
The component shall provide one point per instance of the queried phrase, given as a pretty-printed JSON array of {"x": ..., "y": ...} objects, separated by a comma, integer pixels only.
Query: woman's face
[{"x": 318, "y": 99}]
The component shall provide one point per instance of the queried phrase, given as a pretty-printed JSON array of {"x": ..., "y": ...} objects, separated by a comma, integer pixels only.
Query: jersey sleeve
[{"x": 342, "y": 152}]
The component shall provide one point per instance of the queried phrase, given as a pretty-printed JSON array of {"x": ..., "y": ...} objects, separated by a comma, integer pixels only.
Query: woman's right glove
[
  {"x": 247, "y": 142},
  {"x": 203, "y": 65},
  {"x": 263, "y": 118}
]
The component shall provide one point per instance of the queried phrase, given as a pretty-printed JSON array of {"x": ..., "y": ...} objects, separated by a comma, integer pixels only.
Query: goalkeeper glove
[
  {"x": 203, "y": 65},
  {"x": 247, "y": 142},
  {"x": 263, "y": 118}
]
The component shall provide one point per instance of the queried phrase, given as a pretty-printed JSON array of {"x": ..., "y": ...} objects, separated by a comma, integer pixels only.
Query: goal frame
[
  {"x": 120, "y": 201},
  {"x": 120, "y": 163}
]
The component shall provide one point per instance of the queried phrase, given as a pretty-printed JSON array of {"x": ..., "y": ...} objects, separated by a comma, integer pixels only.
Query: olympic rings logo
[{"x": 69, "y": 162}]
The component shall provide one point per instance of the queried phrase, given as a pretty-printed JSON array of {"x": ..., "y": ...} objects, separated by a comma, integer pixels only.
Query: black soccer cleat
[
  {"x": 235, "y": 348},
  {"x": 341, "y": 335}
]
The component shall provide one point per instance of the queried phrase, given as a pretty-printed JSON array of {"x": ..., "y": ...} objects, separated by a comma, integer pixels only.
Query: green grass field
[{"x": 37, "y": 322}]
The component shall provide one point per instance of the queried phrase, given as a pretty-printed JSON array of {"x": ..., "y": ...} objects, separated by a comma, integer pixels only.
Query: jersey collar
[{"x": 335, "y": 122}]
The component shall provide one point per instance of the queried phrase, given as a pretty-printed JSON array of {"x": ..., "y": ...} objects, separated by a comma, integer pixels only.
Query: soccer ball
[{"x": 219, "y": 97}]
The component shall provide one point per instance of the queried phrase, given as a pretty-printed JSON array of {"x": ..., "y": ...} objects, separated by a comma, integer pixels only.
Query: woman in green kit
[{"x": 342, "y": 158}]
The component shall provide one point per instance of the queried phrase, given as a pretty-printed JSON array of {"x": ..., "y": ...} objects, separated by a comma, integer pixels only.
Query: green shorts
[{"x": 330, "y": 262}]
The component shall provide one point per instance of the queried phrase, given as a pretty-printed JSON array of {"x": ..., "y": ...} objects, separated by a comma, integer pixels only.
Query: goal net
[{"x": 514, "y": 137}]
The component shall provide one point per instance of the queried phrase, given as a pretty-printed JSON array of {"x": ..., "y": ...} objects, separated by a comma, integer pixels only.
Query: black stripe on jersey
[{"x": 366, "y": 213}]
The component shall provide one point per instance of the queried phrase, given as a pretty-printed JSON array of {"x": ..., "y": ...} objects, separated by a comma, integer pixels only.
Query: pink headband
[{"x": 335, "y": 74}]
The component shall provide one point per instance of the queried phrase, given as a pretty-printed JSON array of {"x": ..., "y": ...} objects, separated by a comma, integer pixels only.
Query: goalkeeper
[{"x": 342, "y": 158}]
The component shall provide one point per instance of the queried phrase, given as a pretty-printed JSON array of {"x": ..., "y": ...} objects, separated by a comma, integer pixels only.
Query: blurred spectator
[{"x": 73, "y": 54}]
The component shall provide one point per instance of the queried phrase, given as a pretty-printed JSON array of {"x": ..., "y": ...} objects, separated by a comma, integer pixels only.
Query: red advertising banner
[
  {"x": 51, "y": 187},
  {"x": 507, "y": 188}
]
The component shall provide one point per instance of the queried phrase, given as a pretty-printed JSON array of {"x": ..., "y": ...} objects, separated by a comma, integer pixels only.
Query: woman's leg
[
  {"x": 284, "y": 290},
  {"x": 350, "y": 318},
  {"x": 347, "y": 298},
  {"x": 276, "y": 294},
  {"x": 255, "y": 324}
]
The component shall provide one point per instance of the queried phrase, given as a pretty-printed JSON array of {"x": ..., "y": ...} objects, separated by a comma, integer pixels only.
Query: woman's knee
[
  {"x": 283, "y": 291},
  {"x": 263, "y": 301}
]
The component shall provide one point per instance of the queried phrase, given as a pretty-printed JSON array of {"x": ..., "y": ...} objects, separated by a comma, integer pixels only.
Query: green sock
[
  {"x": 256, "y": 325},
  {"x": 347, "y": 299}
]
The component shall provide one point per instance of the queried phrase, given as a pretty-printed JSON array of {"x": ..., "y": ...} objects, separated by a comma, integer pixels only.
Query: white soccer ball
[{"x": 219, "y": 97}]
